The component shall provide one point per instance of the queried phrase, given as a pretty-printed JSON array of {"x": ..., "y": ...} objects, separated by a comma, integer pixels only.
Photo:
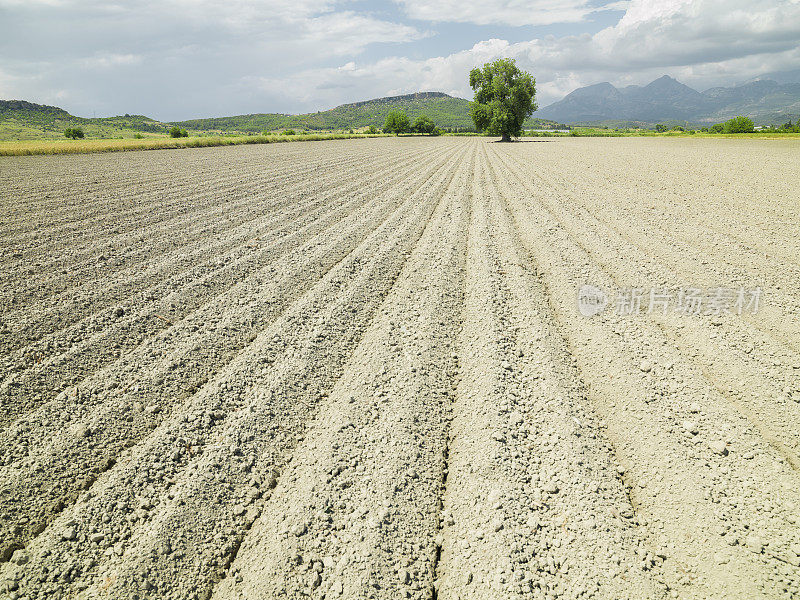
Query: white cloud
[
  {"x": 504, "y": 12},
  {"x": 702, "y": 42},
  {"x": 324, "y": 87},
  {"x": 108, "y": 61},
  {"x": 350, "y": 33},
  {"x": 170, "y": 58}
]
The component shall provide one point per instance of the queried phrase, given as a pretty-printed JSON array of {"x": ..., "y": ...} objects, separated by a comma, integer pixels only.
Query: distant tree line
[
  {"x": 787, "y": 127},
  {"x": 397, "y": 122},
  {"x": 735, "y": 125}
]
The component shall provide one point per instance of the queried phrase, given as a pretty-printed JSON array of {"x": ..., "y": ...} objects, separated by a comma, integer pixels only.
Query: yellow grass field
[{"x": 22, "y": 148}]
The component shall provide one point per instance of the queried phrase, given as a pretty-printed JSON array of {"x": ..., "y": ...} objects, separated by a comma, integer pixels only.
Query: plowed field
[{"x": 359, "y": 369}]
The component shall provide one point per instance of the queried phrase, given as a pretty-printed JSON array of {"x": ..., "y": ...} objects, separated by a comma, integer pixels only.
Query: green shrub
[
  {"x": 138, "y": 136},
  {"x": 372, "y": 130},
  {"x": 738, "y": 125},
  {"x": 177, "y": 132},
  {"x": 718, "y": 128},
  {"x": 288, "y": 132},
  {"x": 661, "y": 128},
  {"x": 74, "y": 133}
]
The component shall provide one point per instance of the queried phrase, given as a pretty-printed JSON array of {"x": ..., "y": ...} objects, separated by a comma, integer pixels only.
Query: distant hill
[
  {"x": 446, "y": 111},
  {"x": 21, "y": 120},
  {"x": 764, "y": 100}
]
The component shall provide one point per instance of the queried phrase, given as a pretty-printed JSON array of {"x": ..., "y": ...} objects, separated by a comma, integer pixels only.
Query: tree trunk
[{"x": 506, "y": 138}]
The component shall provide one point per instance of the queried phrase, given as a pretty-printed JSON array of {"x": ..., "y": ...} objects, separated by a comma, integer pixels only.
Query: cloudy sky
[{"x": 178, "y": 59}]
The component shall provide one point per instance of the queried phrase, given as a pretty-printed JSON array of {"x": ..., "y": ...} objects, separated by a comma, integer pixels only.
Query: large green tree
[
  {"x": 424, "y": 125},
  {"x": 738, "y": 125},
  {"x": 504, "y": 98},
  {"x": 397, "y": 122}
]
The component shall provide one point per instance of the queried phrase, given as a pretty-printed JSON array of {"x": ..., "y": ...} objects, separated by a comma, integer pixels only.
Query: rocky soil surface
[{"x": 359, "y": 369}]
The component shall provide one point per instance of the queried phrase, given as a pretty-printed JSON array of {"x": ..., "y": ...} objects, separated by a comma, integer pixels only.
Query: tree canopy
[
  {"x": 74, "y": 133},
  {"x": 423, "y": 124},
  {"x": 738, "y": 125},
  {"x": 504, "y": 98},
  {"x": 397, "y": 122}
]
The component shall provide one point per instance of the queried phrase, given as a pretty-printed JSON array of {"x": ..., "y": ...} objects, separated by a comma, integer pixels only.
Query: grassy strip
[
  {"x": 85, "y": 146},
  {"x": 589, "y": 132}
]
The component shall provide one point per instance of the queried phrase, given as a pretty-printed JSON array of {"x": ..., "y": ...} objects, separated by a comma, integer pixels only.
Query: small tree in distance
[
  {"x": 73, "y": 133},
  {"x": 396, "y": 122},
  {"x": 423, "y": 124},
  {"x": 504, "y": 98},
  {"x": 177, "y": 132}
]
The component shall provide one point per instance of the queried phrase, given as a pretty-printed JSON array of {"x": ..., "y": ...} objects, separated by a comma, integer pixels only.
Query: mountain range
[{"x": 771, "y": 98}]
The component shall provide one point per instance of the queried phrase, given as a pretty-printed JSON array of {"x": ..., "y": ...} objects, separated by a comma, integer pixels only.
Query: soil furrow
[
  {"x": 532, "y": 491},
  {"x": 355, "y": 512},
  {"x": 97, "y": 342},
  {"x": 364, "y": 369},
  {"x": 316, "y": 336},
  {"x": 769, "y": 372},
  {"x": 675, "y": 436},
  {"x": 120, "y": 263},
  {"x": 172, "y": 201},
  {"x": 147, "y": 386}
]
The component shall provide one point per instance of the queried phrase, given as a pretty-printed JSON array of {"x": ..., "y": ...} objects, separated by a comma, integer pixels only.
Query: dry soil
[{"x": 358, "y": 369}]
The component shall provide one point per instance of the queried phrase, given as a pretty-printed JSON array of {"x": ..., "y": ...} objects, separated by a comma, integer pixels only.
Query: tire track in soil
[
  {"x": 783, "y": 280},
  {"x": 780, "y": 326},
  {"x": 62, "y": 446},
  {"x": 318, "y": 334},
  {"x": 106, "y": 339},
  {"x": 677, "y": 482},
  {"x": 355, "y": 512},
  {"x": 653, "y": 256},
  {"x": 725, "y": 193}
]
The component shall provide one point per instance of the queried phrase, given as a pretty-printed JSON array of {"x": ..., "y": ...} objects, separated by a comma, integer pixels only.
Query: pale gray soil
[{"x": 357, "y": 369}]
